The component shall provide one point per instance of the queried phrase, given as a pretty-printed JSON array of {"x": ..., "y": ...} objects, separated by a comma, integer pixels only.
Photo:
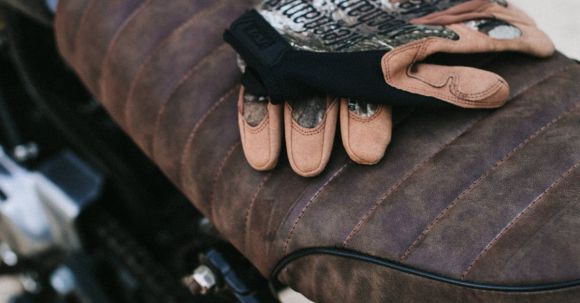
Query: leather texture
[
  {"x": 261, "y": 143},
  {"x": 463, "y": 86},
  {"x": 365, "y": 139},
  {"x": 483, "y": 196},
  {"x": 309, "y": 149}
]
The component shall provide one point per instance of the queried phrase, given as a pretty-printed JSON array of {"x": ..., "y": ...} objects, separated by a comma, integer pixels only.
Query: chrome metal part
[
  {"x": 8, "y": 256},
  {"x": 25, "y": 152},
  {"x": 52, "y": 5},
  {"x": 39, "y": 208},
  {"x": 30, "y": 283},
  {"x": 63, "y": 280},
  {"x": 201, "y": 281}
]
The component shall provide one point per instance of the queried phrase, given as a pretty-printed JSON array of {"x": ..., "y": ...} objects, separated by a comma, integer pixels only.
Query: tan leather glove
[
  {"x": 309, "y": 128},
  {"x": 511, "y": 30},
  {"x": 471, "y": 27}
]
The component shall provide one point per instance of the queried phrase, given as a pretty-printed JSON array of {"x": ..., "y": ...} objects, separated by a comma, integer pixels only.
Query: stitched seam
[
  {"x": 260, "y": 127},
  {"x": 416, "y": 76},
  {"x": 217, "y": 177},
  {"x": 556, "y": 72},
  {"x": 521, "y": 291},
  {"x": 141, "y": 70},
  {"x": 465, "y": 97},
  {"x": 524, "y": 89},
  {"x": 252, "y": 130},
  {"x": 419, "y": 44},
  {"x": 302, "y": 193},
  {"x": 312, "y": 201},
  {"x": 422, "y": 46},
  {"x": 366, "y": 217},
  {"x": 474, "y": 185},
  {"x": 306, "y": 132},
  {"x": 194, "y": 131},
  {"x": 517, "y": 218},
  {"x": 323, "y": 128},
  {"x": 444, "y": 97},
  {"x": 114, "y": 41},
  {"x": 324, "y": 140},
  {"x": 248, "y": 211},
  {"x": 313, "y": 131},
  {"x": 360, "y": 225},
  {"x": 455, "y": 92},
  {"x": 452, "y": 83},
  {"x": 166, "y": 101},
  {"x": 82, "y": 22}
]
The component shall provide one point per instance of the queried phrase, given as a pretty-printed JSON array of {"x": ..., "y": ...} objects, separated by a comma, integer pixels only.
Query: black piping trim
[{"x": 353, "y": 255}]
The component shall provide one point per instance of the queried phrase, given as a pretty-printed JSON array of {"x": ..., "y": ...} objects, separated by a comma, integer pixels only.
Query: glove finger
[
  {"x": 462, "y": 86},
  {"x": 310, "y": 126},
  {"x": 260, "y": 124},
  {"x": 365, "y": 130},
  {"x": 466, "y": 87},
  {"x": 530, "y": 40},
  {"x": 519, "y": 34}
]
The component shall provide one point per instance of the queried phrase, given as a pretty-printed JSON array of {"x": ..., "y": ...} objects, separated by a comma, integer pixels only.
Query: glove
[
  {"x": 503, "y": 28},
  {"x": 365, "y": 127},
  {"x": 310, "y": 127},
  {"x": 320, "y": 53}
]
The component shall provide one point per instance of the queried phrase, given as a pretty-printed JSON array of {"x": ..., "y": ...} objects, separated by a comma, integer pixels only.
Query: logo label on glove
[{"x": 345, "y": 25}]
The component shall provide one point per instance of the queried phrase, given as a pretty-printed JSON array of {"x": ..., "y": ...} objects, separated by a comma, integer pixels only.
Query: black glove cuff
[
  {"x": 261, "y": 46},
  {"x": 277, "y": 70}
]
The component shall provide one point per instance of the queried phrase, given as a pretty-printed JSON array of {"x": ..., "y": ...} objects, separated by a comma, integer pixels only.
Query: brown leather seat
[{"x": 467, "y": 206}]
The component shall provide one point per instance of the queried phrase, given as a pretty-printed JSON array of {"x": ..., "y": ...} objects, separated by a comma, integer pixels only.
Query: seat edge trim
[{"x": 358, "y": 256}]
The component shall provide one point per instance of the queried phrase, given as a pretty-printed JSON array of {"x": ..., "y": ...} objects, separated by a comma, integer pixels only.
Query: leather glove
[
  {"x": 310, "y": 127},
  {"x": 299, "y": 48},
  {"x": 366, "y": 127}
]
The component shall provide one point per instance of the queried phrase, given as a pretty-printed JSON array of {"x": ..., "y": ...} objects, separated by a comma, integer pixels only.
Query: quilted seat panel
[{"x": 490, "y": 197}]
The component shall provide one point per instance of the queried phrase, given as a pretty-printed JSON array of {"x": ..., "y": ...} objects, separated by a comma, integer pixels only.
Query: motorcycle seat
[{"x": 467, "y": 205}]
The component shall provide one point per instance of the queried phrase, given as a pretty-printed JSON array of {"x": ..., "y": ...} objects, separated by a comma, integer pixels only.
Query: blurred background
[{"x": 558, "y": 18}]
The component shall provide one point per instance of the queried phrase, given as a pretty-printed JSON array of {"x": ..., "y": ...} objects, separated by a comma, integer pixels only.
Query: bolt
[
  {"x": 25, "y": 152},
  {"x": 201, "y": 281},
  {"x": 29, "y": 282},
  {"x": 7, "y": 255},
  {"x": 63, "y": 280}
]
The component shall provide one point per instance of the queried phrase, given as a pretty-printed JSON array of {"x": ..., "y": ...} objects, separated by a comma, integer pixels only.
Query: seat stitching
[
  {"x": 218, "y": 175},
  {"x": 395, "y": 187},
  {"x": 114, "y": 42},
  {"x": 195, "y": 129},
  {"x": 476, "y": 183},
  {"x": 546, "y": 77},
  {"x": 250, "y": 207},
  {"x": 365, "y": 218},
  {"x": 181, "y": 81},
  {"x": 82, "y": 21},
  {"x": 312, "y": 201},
  {"x": 141, "y": 70},
  {"x": 517, "y": 218}
]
